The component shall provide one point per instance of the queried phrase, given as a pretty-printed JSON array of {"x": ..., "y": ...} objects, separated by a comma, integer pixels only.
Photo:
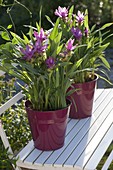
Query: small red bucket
[
  {"x": 82, "y": 99},
  {"x": 48, "y": 127}
]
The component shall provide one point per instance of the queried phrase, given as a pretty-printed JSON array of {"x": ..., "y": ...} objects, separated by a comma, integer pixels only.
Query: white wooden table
[{"x": 86, "y": 140}]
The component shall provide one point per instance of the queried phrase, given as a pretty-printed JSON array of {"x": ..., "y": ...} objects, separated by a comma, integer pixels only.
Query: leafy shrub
[
  {"x": 15, "y": 123},
  {"x": 7, "y": 88},
  {"x": 5, "y": 162}
]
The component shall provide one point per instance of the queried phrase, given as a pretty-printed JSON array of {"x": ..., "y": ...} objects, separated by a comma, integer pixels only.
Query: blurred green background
[{"x": 100, "y": 12}]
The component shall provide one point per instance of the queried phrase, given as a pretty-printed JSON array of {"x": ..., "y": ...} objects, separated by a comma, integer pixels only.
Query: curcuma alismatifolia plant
[
  {"x": 38, "y": 60},
  {"x": 46, "y": 60},
  {"x": 88, "y": 55}
]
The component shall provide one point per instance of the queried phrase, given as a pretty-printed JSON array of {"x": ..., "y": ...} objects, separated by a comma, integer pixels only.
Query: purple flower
[
  {"x": 39, "y": 47},
  {"x": 41, "y": 35},
  {"x": 50, "y": 62},
  {"x": 80, "y": 17},
  {"x": 61, "y": 12},
  {"x": 86, "y": 32},
  {"x": 76, "y": 32},
  {"x": 69, "y": 45},
  {"x": 28, "y": 52}
]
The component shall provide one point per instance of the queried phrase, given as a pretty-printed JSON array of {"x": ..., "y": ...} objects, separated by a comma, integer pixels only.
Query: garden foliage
[
  {"x": 15, "y": 123},
  {"x": 100, "y": 12}
]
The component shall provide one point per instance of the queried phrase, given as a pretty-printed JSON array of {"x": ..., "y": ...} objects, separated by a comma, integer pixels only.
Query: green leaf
[
  {"x": 107, "y": 37},
  {"x": 93, "y": 28},
  {"x": 25, "y": 74},
  {"x": 26, "y": 39},
  {"x": 30, "y": 33},
  {"x": 106, "y": 25},
  {"x": 57, "y": 77},
  {"x": 103, "y": 78},
  {"x": 74, "y": 67},
  {"x": 40, "y": 16},
  {"x": 17, "y": 75},
  {"x": 104, "y": 72},
  {"x": 71, "y": 11},
  {"x": 105, "y": 33},
  {"x": 49, "y": 19},
  {"x": 99, "y": 50},
  {"x": 59, "y": 49},
  {"x": 9, "y": 26},
  {"x": 86, "y": 20},
  {"x": 43, "y": 81},
  {"x": 67, "y": 85},
  {"x": 58, "y": 38},
  {"x": 38, "y": 27},
  {"x": 106, "y": 63},
  {"x": 74, "y": 103},
  {"x": 78, "y": 63},
  {"x": 31, "y": 70},
  {"x": 7, "y": 54},
  {"x": 35, "y": 93},
  {"x": 5, "y": 36},
  {"x": 25, "y": 90},
  {"x": 54, "y": 31},
  {"x": 54, "y": 47},
  {"x": 17, "y": 39},
  {"x": 100, "y": 37},
  {"x": 2, "y": 68}
]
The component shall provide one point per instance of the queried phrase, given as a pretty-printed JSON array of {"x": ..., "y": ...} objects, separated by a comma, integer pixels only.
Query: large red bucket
[
  {"x": 82, "y": 99},
  {"x": 48, "y": 127}
]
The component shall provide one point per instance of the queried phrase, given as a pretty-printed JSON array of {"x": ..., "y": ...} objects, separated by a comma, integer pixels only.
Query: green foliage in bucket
[
  {"x": 36, "y": 59},
  {"x": 90, "y": 43}
]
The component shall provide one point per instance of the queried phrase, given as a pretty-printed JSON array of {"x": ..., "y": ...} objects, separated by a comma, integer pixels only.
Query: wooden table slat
[
  {"x": 94, "y": 143},
  {"x": 101, "y": 98},
  {"x": 71, "y": 124},
  {"x": 33, "y": 156},
  {"x": 98, "y": 93},
  {"x": 26, "y": 151},
  {"x": 98, "y": 153}
]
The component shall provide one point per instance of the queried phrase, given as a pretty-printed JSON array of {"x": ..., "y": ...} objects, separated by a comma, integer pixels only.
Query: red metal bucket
[
  {"x": 48, "y": 127},
  {"x": 82, "y": 99}
]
